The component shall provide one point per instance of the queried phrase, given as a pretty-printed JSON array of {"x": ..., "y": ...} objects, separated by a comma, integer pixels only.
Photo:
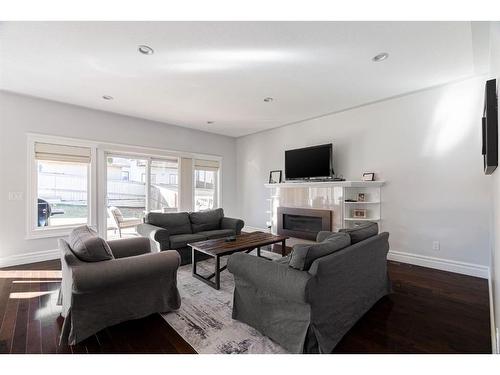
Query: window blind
[
  {"x": 64, "y": 153},
  {"x": 206, "y": 165}
]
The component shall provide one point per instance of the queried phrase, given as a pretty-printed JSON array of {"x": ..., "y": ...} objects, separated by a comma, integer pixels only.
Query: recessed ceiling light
[
  {"x": 380, "y": 57},
  {"x": 107, "y": 97},
  {"x": 210, "y": 122},
  {"x": 145, "y": 50},
  {"x": 268, "y": 99}
]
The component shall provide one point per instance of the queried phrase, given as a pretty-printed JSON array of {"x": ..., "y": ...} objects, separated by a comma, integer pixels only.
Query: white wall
[
  {"x": 495, "y": 261},
  {"x": 427, "y": 147},
  {"x": 20, "y": 115}
]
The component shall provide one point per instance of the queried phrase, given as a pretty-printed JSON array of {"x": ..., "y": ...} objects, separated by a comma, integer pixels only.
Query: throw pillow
[
  {"x": 206, "y": 220},
  {"x": 88, "y": 246},
  {"x": 174, "y": 222},
  {"x": 303, "y": 255},
  {"x": 361, "y": 232}
]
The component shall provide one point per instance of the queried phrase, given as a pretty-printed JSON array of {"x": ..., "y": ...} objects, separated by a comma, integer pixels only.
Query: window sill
[{"x": 51, "y": 232}]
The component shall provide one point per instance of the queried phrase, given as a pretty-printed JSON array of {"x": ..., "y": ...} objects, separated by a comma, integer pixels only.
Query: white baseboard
[
  {"x": 33, "y": 257},
  {"x": 463, "y": 268}
]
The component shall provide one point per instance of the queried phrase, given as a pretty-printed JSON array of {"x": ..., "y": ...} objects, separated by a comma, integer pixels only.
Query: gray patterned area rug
[{"x": 204, "y": 319}]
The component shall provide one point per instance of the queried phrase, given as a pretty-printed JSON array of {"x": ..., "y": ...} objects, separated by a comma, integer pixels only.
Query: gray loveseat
[
  {"x": 308, "y": 300},
  {"x": 175, "y": 230},
  {"x": 108, "y": 282}
]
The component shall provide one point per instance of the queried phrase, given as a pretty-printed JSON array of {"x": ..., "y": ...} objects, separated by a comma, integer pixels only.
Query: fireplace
[{"x": 303, "y": 222}]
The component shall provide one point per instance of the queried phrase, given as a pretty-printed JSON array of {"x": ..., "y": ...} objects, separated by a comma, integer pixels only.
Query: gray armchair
[
  {"x": 310, "y": 309},
  {"x": 133, "y": 284}
]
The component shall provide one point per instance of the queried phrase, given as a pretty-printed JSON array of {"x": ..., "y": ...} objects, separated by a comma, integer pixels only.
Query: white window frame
[
  {"x": 218, "y": 182},
  {"x": 33, "y": 231},
  {"x": 148, "y": 158},
  {"x": 97, "y": 179},
  {"x": 148, "y": 185},
  {"x": 105, "y": 177}
]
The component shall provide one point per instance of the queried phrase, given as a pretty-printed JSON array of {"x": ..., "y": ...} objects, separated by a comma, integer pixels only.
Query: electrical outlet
[
  {"x": 15, "y": 195},
  {"x": 435, "y": 245}
]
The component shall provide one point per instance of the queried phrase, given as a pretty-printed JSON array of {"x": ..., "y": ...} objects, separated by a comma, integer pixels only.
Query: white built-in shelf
[
  {"x": 327, "y": 195},
  {"x": 358, "y": 184},
  {"x": 374, "y": 202},
  {"x": 366, "y": 219}
]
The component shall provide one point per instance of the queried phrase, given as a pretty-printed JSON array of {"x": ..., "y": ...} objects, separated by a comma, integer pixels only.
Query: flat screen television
[
  {"x": 309, "y": 163},
  {"x": 490, "y": 127}
]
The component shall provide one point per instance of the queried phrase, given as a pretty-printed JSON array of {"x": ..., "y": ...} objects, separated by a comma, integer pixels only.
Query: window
[
  {"x": 163, "y": 190},
  {"x": 126, "y": 197},
  {"x": 148, "y": 187},
  {"x": 61, "y": 188},
  {"x": 127, "y": 194},
  {"x": 76, "y": 182},
  {"x": 206, "y": 180}
]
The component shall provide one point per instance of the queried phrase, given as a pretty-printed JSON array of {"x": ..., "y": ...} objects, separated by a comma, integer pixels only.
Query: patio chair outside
[{"x": 122, "y": 222}]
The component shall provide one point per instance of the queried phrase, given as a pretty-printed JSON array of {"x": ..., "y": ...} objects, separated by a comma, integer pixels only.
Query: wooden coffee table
[{"x": 217, "y": 248}]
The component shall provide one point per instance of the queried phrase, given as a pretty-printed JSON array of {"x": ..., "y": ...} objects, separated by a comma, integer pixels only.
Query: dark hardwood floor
[{"x": 429, "y": 311}]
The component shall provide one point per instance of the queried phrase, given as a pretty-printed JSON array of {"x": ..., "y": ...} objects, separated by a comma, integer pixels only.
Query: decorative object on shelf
[
  {"x": 361, "y": 197},
  {"x": 275, "y": 177},
  {"x": 368, "y": 176},
  {"x": 359, "y": 213}
]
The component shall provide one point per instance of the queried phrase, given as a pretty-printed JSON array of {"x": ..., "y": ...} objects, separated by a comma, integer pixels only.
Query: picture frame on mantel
[
  {"x": 368, "y": 176},
  {"x": 275, "y": 177}
]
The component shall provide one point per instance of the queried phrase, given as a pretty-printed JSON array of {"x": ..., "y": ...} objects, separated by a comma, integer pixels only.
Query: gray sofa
[
  {"x": 108, "y": 282},
  {"x": 308, "y": 300},
  {"x": 175, "y": 230}
]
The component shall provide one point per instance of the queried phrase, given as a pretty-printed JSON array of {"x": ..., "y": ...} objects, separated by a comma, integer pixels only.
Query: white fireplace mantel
[
  {"x": 328, "y": 195},
  {"x": 319, "y": 184}
]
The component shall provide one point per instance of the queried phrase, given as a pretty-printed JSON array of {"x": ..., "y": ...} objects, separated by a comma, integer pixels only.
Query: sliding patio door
[
  {"x": 126, "y": 194},
  {"x": 136, "y": 185},
  {"x": 164, "y": 185},
  {"x": 206, "y": 184}
]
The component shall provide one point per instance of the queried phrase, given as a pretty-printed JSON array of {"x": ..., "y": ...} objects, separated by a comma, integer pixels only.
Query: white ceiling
[{"x": 222, "y": 71}]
